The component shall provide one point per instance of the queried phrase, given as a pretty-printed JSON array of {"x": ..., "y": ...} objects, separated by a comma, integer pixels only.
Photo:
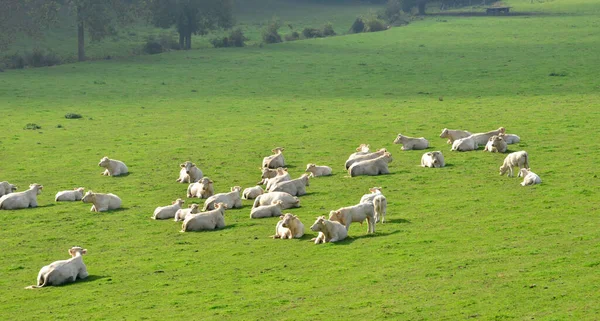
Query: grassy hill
[{"x": 462, "y": 242}]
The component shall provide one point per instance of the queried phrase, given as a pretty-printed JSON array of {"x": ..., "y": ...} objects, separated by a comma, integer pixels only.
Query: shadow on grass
[
  {"x": 47, "y": 205},
  {"x": 227, "y": 227},
  {"x": 398, "y": 220},
  {"x": 351, "y": 239},
  {"x": 90, "y": 278},
  {"x": 122, "y": 175}
]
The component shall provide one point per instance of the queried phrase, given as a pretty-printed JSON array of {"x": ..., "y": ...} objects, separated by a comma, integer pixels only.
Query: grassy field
[{"x": 461, "y": 242}]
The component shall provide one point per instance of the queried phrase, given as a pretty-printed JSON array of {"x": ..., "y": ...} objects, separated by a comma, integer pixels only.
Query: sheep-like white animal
[
  {"x": 60, "y": 272},
  {"x": 275, "y": 160},
  {"x": 454, "y": 134},
  {"x": 201, "y": 189},
  {"x": 23, "y": 199},
  {"x": 368, "y": 198},
  {"x": 315, "y": 170},
  {"x": 329, "y": 231},
  {"x": 113, "y": 167},
  {"x": 69, "y": 196},
  {"x": 251, "y": 193},
  {"x": 282, "y": 176},
  {"x": 267, "y": 210},
  {"x": 267, "y": 173},
  {"x": 231, "y": 200},
  {"x": 372, "y": 167},
  {"x": 482, "y": 138},
  {"x": 6, "y": 188},
  {"x": 356, "y": 213},
  {"x": 380, "y": 206},
  {"x": 464, "y": 144},
  {"x": 433, "y": 159},
  {"x": 102, "y": 202},
  {"x": 510, "y": 138},
  {"x": 183, "y": 213},
  {"x": 529, "y": 177},
  {"x": 294, "y": 187},
  {"x": 364, "y": 157},
  {"x": 411, "y": 143},
  {"x": 288, "y": 200},
  {"x": 189, "y": 173},
  {"x": 289, "y": 226},
  {"x": 517, "y": 159},
  {"x": 496, "y": 145},
  {"x": 210, "y": 220},
  {"x": 164, "y": 212}
]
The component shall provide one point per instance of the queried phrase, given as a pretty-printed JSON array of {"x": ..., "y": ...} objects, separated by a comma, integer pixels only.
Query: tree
[
  {"x": 190, "y": 16},
  {"x": 24, "y": 17},
  {"x": 407, "y": 5}
]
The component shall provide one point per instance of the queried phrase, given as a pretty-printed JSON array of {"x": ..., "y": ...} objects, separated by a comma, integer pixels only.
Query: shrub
[
  {"x": 168, "y": 43},
  {"x": 237, "y": 38},
  {"x": 14, "y": 62},
  {"x": 312, "y": 33},
  {"x": 72, "y": 116},
  {"x": 358, "y": 26},
  {"x": 292, "y": 36},
  {"x": 38, "y": 58},
  {"x": 374, "y": 24},
  {"x": 153, "y": 47},
  {"x": 328, "y": 30},
  {"x": 393, "y": 14},
  {"x": 32, "y": 126},
  {"x": 271, "y": 33},
  {"x": 220, "y": 42}
]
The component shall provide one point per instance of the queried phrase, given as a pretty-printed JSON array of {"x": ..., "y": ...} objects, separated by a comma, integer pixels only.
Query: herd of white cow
[{"x": 281, "y": 192}]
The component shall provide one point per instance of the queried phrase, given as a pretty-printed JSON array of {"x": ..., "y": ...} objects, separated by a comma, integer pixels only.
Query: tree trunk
[
  {"x": 181, "y": 40},
  {"x": 80, "y": 37},
  {"x": 421, "y": 6},
  {"x": 188, "y": 41}
]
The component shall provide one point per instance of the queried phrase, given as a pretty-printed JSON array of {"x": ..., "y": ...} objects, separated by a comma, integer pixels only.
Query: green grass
[{"x": 461, "y": 242}]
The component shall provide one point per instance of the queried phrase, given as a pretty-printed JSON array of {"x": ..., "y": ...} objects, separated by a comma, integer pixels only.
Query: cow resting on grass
[
  {"x": 510, "y": 138},
  {"x": 288, "y": 200},
  {"x": 189, "y": 173},
  {"x": 329, "y": 231},
  {"x": 201, "y": 189},
  {"x": 464, "y": 144},
  {"x": 60, "y": 272},
  {"x": 6, "y": 188},
  {"x": 372, "y": 167},
  {"x": 288, "y": 227},
  {"x": 357, "y": 213},
  {"x": 282, "y": 176},
  {"x": 102, "y": 202},
  {"x": 231, "y": 200},
  {"x": 433, "y": 160},
  {"x": 454, "y": 134},
  {"x": 496, "y": 145},
  {"x": 164, "y": 212},
  {"x": 294, "y": 187},
  {"x": 529, "y": 177},
  {"x": 183, "y": 213},
  {"x": 482, "y": 138},
  {"x": 364, "y": 157},
  {"x": 267, "y": 210},
  {"x": 267, "y": 173},
  {"x": 251, "y": 193},
  {"x": 275, "y": 160},
  {"x": 318, "y": 170},
  {"x": 69, "y": 196},
  {"x": 517, "y": 159},
  {"x": 411, "y": 143},
  {"x": 210, "y": 220},
  {"x": 113, "y": 167},
  {"x": 19, "y": 200}
]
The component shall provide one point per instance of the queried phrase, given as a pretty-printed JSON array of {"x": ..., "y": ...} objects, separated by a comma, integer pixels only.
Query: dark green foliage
[
  {"x": 271, "y": 33},
  {"x": 358, "y": 26},
  {"x": 393, "y": 14},
  {"x": 328, "y": 30},
  {"x": 292, "y": 36},
  {"x": 557, "y": 74},
  {"x": 374, "y": 24},
  {"x": 312, "y": 33},
  {"x": 153, "y": 47},
  {"x": 235, "y": 39},
  {"x": 72, "y": 116},
  {"x": 32, "y": 126}
]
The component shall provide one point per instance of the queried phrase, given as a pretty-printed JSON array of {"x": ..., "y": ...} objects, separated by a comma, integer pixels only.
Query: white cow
[
  {"x": 288, "y": 200},
  {"x": 454, "y": 134},
  {"x": 69, "y": 196},
  {"x": 357, "y": 213},
  {"x": 372, "y": 167},
  {"x": 364, "y": 157},
  {"x": 251, "y": 193},
  {"x": 189, "y": 173},
  {"x": 411, "y": 143},
  {"x": 362, "y": 149},
  {"x": 529, "y": 177},
  {"x": 201, "y": 189},
  {"x": 496, "y": 144},
  {"x": 164, "y": 212},
  {"x": 275, "y": 160},
  {"x": 231, "y": 200},
  {"x": 368, "y": 198},
  {"x": 288, "y": 227},
  {"x": 465, "y": 144},
  {"x": 329, "y": 231},
  {"x": 210, "y": 220},
  {"x": 294, "y": 187},
  {"x": 282, "y": 176},
  {"x": 433, "y": 159},
  {"x": 517, "y": 159},
  {"x": 510, "y": 138},
  {"x": 267, "y": 173},
  {"x": 380, "y": 205},
  {"x": 102, "y": 202},
  {"x": 482, "y": 138},
  {"x": 267, "y": 210},
  {"x": 6, "y": 188},
  {"x": 24, "y": 199},
  {"x": 183, "y": 213},
  {"x": 318, "y": 170},
  {"x": 60, "y": 272},
  {"x": 113, "y": 167}
]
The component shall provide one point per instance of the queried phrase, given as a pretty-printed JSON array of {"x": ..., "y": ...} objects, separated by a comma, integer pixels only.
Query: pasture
[{"x": 459, "y": 242}]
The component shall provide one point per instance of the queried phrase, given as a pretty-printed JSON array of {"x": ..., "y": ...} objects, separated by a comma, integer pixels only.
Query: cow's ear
[
  {"x": 84, "y": 251},
  {"x": 182, "y": 165},
  {"x": 281, "y": 217}
]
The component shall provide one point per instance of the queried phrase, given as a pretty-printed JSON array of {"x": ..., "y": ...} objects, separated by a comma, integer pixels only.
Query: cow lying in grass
[
  {"x": 189, "y": 173},
  {"x": 209, "y": 220},
  {"x": 169, "y": 211},
  {"x": 60, "y": 272},
  {"x": 329, "y": 231},
  {"x": 113, "y": 167},
  {"x": 19, "y": 200},
  {"x": 102, "y": 202},
  {"x": 289, "y": 226},
  {"x": 69, "y": 196}
]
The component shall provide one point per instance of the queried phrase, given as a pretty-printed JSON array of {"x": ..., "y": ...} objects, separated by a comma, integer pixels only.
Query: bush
[
  {"x": 292, "y": 36},
  {"x": 271, "y": 33},
  {"x": 220, "y": 42},
  {"x": 14, "y": 62},
  {"x": 38, "y": 58},
  {"x": 32, "y": 126},
  {"x": 358, "y": 26},
  {"x": 168, "y": 43},
  {"x": 153, "y": 47},
  {"x": 374, "y": 24},
  {"x": 312, "y": 33},
  {"x": 394, "y": 15},
  {"x": 72, "y": 116},
  {"x": 328, "y": 30},
  {"x": 236, "y": 39}
]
